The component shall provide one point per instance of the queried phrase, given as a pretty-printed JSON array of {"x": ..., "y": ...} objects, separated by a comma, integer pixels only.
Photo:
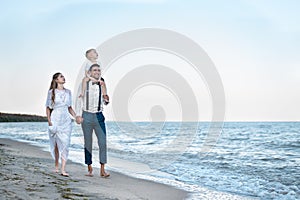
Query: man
[{"x": 89, "y": 115}]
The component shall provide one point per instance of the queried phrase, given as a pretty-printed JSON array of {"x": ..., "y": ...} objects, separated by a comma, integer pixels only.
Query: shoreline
[
  {"x": 27, "y": 173},
  {"x": 17, "y": 117}
]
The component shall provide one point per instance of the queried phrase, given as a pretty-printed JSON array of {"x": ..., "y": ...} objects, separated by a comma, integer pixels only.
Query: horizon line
[{"x": 175, "y": 120}]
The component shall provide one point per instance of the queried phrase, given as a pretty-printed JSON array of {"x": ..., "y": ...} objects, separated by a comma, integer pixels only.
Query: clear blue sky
[{"x": 254, "y": 44}]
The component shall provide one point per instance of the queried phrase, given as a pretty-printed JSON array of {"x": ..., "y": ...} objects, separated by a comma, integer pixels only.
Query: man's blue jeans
[{"x": 94, "y": 122}]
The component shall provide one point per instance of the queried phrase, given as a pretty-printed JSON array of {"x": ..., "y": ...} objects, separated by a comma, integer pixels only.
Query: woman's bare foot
[
  {"x": 56, "y": 170},
  {"x": 63, "y": 173}
]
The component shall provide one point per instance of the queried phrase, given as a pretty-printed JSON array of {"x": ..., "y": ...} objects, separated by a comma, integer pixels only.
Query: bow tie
[{"x": 93, "y": 83}]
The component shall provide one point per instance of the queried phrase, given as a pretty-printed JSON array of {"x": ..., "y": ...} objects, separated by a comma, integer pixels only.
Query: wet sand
[{"x": 27, "y": 172}]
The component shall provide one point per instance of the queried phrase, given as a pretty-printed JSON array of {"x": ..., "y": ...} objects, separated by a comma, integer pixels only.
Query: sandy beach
[{"x": 27, "y": 172}]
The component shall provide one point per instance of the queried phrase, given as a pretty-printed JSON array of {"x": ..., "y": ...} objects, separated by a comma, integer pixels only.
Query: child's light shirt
[{"x": 88, "y": 64}]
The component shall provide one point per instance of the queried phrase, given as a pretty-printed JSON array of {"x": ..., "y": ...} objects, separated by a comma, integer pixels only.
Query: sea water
[{"x": 248, "y": 160}]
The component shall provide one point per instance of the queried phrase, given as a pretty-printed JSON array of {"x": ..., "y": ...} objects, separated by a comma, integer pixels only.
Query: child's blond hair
[{"x": 88, "y": 51}]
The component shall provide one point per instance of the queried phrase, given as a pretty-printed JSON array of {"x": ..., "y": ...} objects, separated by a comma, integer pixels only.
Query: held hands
[{"x": 79, "y": 120}]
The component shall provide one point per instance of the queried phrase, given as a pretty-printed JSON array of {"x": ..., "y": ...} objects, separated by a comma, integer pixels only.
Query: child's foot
[{"x": 106, "y": 99}]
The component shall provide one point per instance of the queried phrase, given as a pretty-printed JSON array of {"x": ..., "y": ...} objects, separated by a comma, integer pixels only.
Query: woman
[{"x": 58, "y": 107}]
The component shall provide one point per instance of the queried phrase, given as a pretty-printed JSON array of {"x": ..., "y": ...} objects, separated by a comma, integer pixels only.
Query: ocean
[{"x": 248, "y": 160}]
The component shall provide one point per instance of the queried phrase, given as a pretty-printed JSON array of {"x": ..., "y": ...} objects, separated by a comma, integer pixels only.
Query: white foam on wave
[{"x": 143, "y": 171}]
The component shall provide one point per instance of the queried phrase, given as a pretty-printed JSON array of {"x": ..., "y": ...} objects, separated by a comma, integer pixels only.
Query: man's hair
[{"x": 94, "y": 65}]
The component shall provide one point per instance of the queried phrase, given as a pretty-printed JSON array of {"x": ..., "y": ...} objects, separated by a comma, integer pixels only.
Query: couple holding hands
[{"x": 89, "y": 107}]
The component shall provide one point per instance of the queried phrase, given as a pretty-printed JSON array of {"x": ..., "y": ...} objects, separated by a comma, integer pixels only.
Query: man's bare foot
[
  {"x": 90, "y": 171},
  {"x": 103, "y": 174}
]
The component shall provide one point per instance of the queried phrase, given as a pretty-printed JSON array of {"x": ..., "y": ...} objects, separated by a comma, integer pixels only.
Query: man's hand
[{"x": 79, "y": 120}]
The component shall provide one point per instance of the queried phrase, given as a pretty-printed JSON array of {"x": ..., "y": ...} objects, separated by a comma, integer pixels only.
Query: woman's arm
[
  {"x": 48, "y": 113},
  {"x": 72, "y": 112}
]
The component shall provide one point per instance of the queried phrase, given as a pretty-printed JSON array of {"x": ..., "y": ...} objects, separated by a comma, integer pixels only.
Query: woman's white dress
[{"x": 61, "y": 122}]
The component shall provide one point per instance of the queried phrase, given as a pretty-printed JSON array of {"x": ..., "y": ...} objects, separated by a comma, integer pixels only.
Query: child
[{"x": 92, "y": 57}]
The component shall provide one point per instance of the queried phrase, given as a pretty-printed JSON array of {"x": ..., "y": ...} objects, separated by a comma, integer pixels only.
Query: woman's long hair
[{"x": 53, "y": 86}]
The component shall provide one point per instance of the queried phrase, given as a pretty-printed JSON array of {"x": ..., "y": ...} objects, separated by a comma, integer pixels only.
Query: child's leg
[
  {"x": 103, "y": 88},
  {"x": 83, "y": 88},
  {"x": 104, "y": 92}
]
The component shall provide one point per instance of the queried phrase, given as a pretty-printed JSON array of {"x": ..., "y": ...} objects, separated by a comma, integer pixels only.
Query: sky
[{"x": 253, "y": 44}]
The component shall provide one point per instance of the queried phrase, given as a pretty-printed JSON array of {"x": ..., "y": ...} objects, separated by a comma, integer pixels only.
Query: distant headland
[{"x": 9, "y": 117}]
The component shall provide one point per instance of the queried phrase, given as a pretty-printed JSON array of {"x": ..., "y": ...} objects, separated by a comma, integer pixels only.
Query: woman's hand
[
  {"x": 79, "y": 120},
  {"x": 49, "y": 123}
]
